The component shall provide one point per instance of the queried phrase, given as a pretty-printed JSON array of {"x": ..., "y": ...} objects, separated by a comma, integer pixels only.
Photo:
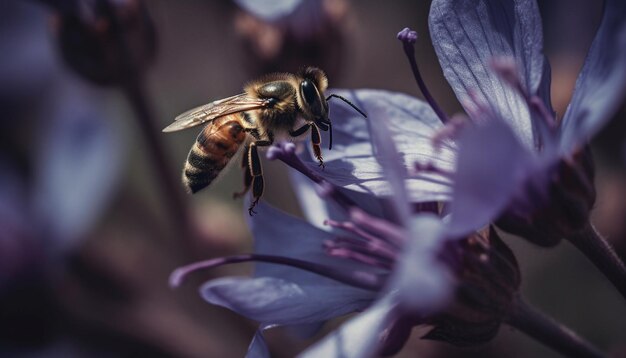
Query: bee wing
[{"x": 223, "y": 107}]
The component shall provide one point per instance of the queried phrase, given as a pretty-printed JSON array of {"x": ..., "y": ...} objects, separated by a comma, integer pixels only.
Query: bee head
[{"x": 311, "y": 98}]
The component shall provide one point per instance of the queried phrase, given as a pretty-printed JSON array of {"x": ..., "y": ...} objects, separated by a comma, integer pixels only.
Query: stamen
[
  {"x": 408, "y": 38},
  {"x": 373, "y": 242},
  {"x": 356, "y": 278},
  {"x": 381, "y": 228},
  {"x": 385, "y": 259},
  {"x": 355, "y": 255}
]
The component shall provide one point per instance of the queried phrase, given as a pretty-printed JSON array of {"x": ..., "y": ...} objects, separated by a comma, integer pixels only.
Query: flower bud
[
  {"x": 559, "y": 210},
  {"x": 107, "y": 41},
  {"x": 488, "y": 282}
]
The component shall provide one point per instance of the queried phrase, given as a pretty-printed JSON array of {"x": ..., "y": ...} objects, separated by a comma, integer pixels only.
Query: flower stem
[
  {"x": 134, "y": 90},
  {"x": 600, "y": 252},
  {"x": 549, "y": 332},
  {"x": 169, "y": 187}
]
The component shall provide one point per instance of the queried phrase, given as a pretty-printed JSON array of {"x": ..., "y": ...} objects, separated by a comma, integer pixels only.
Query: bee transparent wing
[{"x": 208, "y": 112}]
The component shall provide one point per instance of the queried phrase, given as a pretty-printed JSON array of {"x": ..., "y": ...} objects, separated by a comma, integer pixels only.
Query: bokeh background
[{"x": 89, "y": 231}]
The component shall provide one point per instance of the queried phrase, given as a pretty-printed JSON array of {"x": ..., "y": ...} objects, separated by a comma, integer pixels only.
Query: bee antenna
[{"x": 348, "y": 102}]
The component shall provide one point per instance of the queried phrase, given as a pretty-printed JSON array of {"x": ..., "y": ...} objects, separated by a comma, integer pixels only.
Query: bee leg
[
  {"x": 298, "y": 132},
  {"x": 247, "y": 174},
  {"x": 254, "y": 163},
  {"x": 316, "y": 140}
]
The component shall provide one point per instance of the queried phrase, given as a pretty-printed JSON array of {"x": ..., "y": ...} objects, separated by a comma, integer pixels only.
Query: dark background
[{"x": 97, "y": 285}]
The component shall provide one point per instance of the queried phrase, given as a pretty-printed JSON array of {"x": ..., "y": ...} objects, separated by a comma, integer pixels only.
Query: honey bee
[{"x": 268, "y": 108}]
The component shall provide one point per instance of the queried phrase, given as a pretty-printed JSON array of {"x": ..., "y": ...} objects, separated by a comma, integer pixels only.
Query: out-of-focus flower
[
  {"x": 285, "y": 35},
  {"x": 107, "y": 42},
  {"x": 59, "y": 164}
]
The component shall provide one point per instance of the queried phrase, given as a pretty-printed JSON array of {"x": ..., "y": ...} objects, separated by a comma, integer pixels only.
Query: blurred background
[{"x": 93, "y": 218}]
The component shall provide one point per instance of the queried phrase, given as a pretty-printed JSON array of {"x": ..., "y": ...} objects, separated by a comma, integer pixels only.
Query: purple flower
[
  {"x": 398, "y": 268},
  {"x": 305, "y": 275},
  {"x": 491, "y": 54},
  {"x": 366, "y": 263},
  {"x": 537, "y": 174}
]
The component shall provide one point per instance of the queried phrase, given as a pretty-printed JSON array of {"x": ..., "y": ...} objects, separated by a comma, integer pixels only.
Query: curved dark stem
[
  {"x": 600, "y": 252},
  {"x": 170, "y": 187},
  {"x": 135, "y": 92},
  {"x": 549, "y": 332}
]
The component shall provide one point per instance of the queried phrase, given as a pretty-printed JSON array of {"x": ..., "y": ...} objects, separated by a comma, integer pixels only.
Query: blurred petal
[
  {"x": 468, "y": 34},
  {"x": 601, "y": 85},
  {"x": 77, "y": 168},
  {"x": 423, "y": 282},
  {"x": 352, "y": 164},
  {"x": 492, "y": 166},
  {"x": 278, "y": 301},
  {"x": 258, "y": 346},
  {"x": 358, "y": 337},
  {"x": 391, "y": 162},
  {"x": 269, "y": 10}
]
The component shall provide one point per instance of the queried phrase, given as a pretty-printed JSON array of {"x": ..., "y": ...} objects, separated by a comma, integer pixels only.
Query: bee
[{"x": 269, "y": 107}]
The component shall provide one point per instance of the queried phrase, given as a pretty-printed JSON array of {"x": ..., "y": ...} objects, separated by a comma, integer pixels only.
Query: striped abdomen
[{"x": 212, "y": 150}]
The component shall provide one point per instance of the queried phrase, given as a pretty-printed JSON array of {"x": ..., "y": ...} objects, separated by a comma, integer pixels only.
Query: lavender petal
[
  {"x": 269, "y": 10},
  {"x": 278, "y": 301},
  {"x": 358, "y": 337},
  {"x": 258, "y": 346},
  {"x": 76, "y": 170},
  {"x": 468, "y": 34},
  {"x": 601, "y": 85},
  {"x": 424, "y": 284},
  {"x": 291, "y": 237},
  {"x": 352, "y": 162},
  {"x": 492, "y": 167}
]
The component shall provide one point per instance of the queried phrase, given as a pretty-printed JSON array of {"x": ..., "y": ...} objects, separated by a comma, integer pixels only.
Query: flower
[
  {"x": 400, "y": 269},
  {"x": 497, "y": 70},
  {"x": 499, "y": 74}
]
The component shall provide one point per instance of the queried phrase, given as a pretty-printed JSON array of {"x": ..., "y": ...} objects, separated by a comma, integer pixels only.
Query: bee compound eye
[{"x": 309, "y": 92}]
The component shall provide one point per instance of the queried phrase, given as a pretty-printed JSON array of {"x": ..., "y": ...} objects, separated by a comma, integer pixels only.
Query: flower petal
[
  {"x": 282, "y": 302},
  {"x": 391, "y": 162},
  {"x": 317, "y": 209},
  {"x": 491, "y": 169},
  {"x": 258, "y": 346},
  {"x": 601, "y": 85},
  {"x": 77, "y": 168},
  {"x": 352, "y": 164},
  {"x": 358, "y": 337},
  {"x": 468, "y": 34},
  {"x": 269, "y": 10},
  {"x": 279, "y": 234},
  {"x": 424, "y": 283}
]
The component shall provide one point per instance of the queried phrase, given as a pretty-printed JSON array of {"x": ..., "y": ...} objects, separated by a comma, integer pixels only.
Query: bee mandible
[{"x": 269, "y": 107}]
